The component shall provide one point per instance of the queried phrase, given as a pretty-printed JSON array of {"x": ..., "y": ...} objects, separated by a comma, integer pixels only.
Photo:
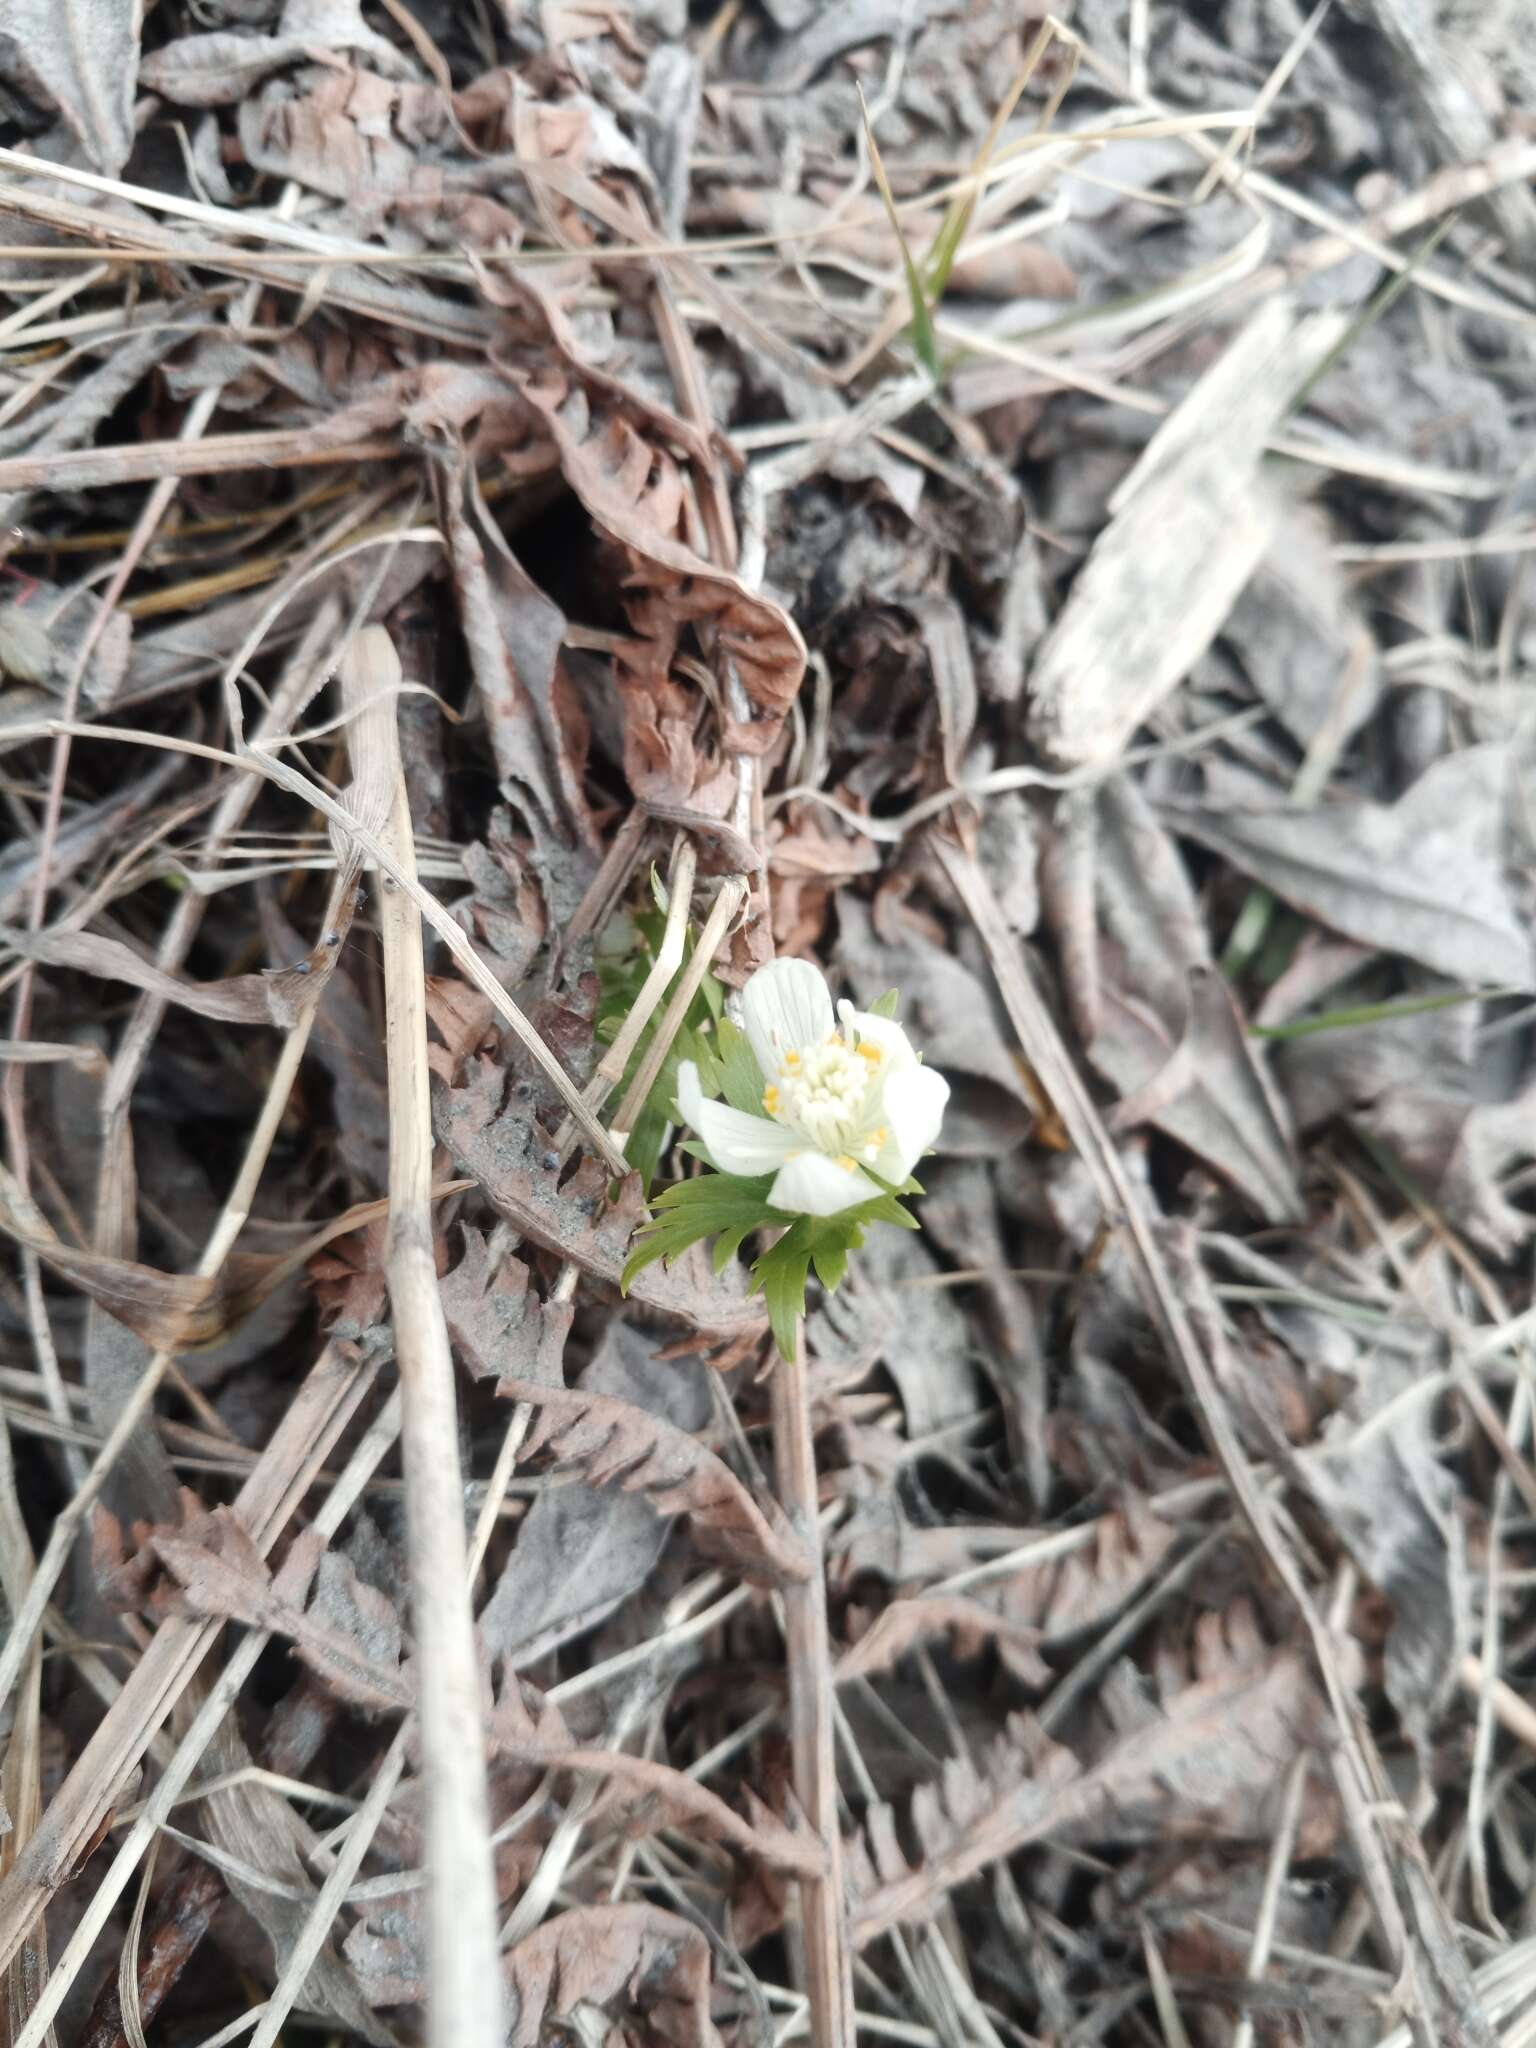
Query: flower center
[{"x": 825, "y": 1092}]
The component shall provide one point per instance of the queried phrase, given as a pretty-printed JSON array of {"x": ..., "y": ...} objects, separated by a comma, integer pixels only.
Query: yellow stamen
[
  {"x": 791, "y": 1060},
  {"x": 847, "y": 1164},
  {"x": 869, "y": 1052},
  {"x": 880, "y": 1136},
  {"x": 771, "y": 1100}
]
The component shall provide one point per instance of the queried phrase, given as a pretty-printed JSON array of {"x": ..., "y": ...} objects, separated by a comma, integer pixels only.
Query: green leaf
[
  {"x": 923, "y": 339},
  {"x": 888, "y": 1004},
  {"x": 692, "y": 1210},
  {"x": 831, "y": 1262},
  {"x": 781, "y": 1273},
  {"x": 741, "y": 1078}
]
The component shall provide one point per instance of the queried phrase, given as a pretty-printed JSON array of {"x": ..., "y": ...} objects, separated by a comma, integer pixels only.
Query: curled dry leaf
[
  {"x": 43, "y": 630},
  {"x": 612, "y": 1443},
  {"x": 634, "y": 491},
  {"x": 1046, "y": 1603},
  {"x": 512, "y": 633}
]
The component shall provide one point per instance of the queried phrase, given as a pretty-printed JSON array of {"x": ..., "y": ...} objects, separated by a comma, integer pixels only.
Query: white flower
[{"x": 839, "y": 1093}]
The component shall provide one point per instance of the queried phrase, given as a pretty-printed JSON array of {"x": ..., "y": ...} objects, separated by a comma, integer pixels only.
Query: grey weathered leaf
[
  {"x": 1302, "y": 645},
  {"x": 1456, "y": 1148},
  {"x": 1423, "y": 876},
  {"x": 1189, "y": 527},
  {"x": 1394, "y": 1503},
  {"x": 81, "y": 57},
  {"x": 1202, "y": 1088},
  {"x": 1166, "y": 1032},
  {"x": 582, "y": 1550}
]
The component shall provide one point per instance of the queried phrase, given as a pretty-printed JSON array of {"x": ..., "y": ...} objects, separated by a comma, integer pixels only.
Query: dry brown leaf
[
  {"x": 275, "y": 996},
  {"x": 614, "y": 1443},
  {"x": 519, "y": 1171},
  {"x": 220, "y": 69},
  {"x": 634, "y": 491},
  {"x": 499, "y": 1326},
  {"x": 648, "y": 1970},
  {"x": 172, "y": 1311},
  {"x": 1023, "y": 1610},
  {"x": 1209, "y": 1756},
  {"x": 923, "y": 1618},
  {"x": 383, "y": 148},
  {"x": 652, "y": 1794},
  {"x": 219, "y": 1573}
]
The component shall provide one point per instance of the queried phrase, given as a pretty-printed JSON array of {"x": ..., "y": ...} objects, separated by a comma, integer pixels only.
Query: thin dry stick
[
  {"x": 716, "y": 925},
  {"x": 143, "y": 462},
  {"x": 669, "y": 957},
  {"x": 1274, "y": 1877},
  {"x": 463, "y": 1979},
  {"x": 823, "y": 1906}
]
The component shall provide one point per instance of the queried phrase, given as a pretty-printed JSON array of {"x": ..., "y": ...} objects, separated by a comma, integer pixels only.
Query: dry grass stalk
[{"x": 463, "y": 1983}]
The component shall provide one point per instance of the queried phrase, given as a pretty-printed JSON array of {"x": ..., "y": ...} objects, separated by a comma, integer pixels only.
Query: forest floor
[{"x": 514, "y": 517}]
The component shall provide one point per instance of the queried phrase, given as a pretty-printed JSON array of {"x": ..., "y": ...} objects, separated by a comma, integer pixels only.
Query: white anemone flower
[{"x": 840, "y": 1092}]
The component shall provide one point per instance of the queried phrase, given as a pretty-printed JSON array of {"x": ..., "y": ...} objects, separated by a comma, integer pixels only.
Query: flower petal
[
  {"x": 896, "y": 1053},
  {"x": 914, "y": 1113},
  {"x": 811, "y": 1184},
  {"x": 786, "y": 1007},
  {"x": 737, "y": 1143}
]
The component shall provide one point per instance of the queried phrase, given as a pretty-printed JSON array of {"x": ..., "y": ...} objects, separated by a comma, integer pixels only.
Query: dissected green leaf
[
  {"x": 728, "y": 1207},
  {"x": 781, "y": 1274}
]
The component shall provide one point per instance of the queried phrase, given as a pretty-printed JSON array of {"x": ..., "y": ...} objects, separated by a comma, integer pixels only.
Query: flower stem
[{"x": 823, "y": 1903}]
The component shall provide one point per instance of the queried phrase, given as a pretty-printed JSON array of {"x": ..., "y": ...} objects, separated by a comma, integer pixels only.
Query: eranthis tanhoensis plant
[{"x": 826, "y": 1111}]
